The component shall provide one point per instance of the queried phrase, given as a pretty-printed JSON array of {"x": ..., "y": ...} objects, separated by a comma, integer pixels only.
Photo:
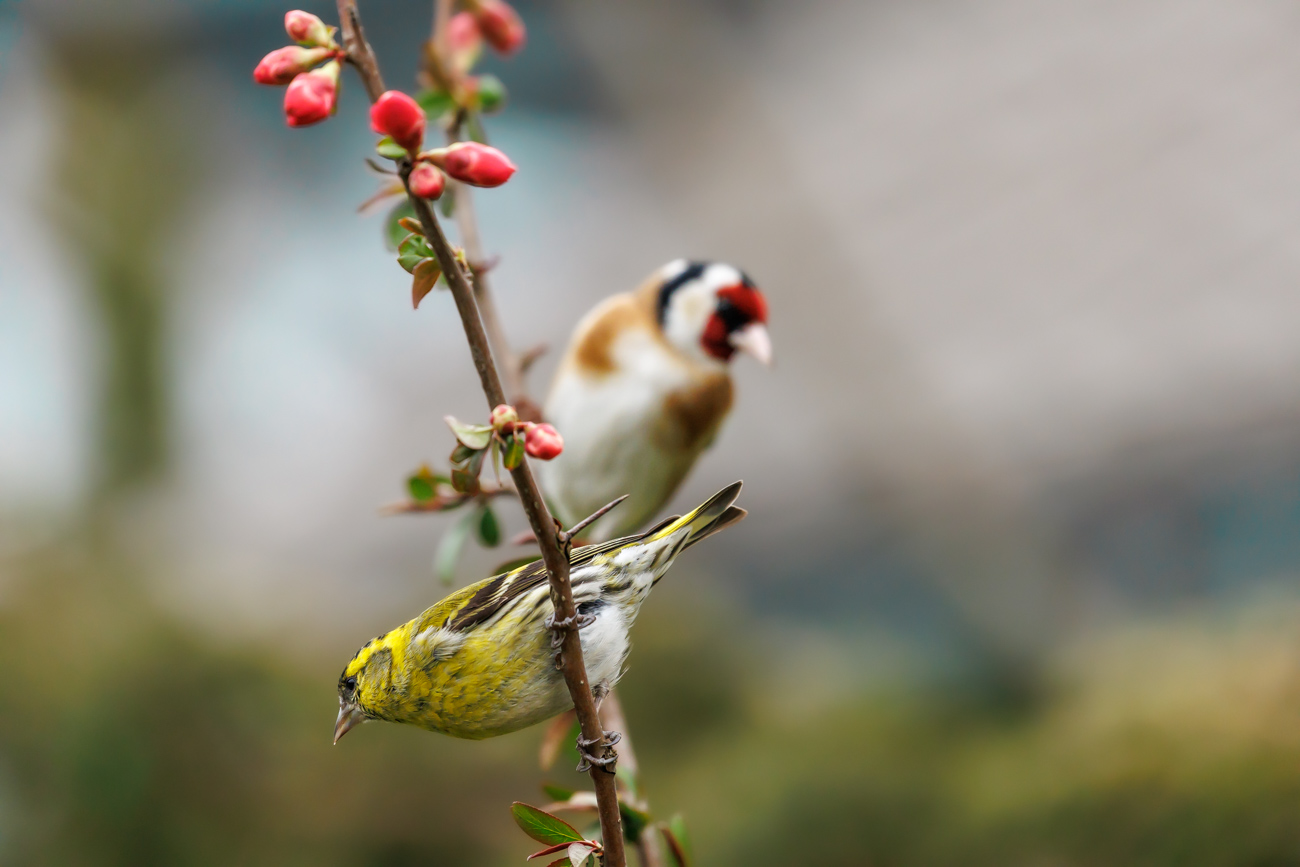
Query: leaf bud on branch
[
  {"x": 427, "y": 181},
  {"x": 312, "y": 96},
  {"x": 542, "y": 441},
  {"x": 306, "y": 29},
  {"x": 472, "y": 163},
  {"x": 500, "y": 23},
  {"x": 282, "y": 65},
  {"x": 400, "y": 117}
]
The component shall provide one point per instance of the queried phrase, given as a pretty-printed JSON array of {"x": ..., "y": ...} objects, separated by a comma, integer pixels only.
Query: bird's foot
[
  {"x": 568, "y": 624},
  {"x": 607, "y": 759},
  {"x": 559, "y": 627}
]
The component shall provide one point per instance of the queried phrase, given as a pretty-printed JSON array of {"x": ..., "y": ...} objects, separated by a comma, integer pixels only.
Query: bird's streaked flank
[{"x": 480, "y": 663}]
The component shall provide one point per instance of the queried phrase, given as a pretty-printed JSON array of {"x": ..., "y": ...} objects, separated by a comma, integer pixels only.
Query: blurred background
[{"x": 1019, "y": 584}]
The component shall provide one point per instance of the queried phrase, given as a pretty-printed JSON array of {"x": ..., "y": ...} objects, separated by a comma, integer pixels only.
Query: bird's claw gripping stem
[
  {"x": 608, "y": 758},
  {"x": 568, "y": 624}
]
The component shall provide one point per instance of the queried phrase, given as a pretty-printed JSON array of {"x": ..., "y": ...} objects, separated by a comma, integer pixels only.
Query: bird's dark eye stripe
[{"x": 693, "y": 271}]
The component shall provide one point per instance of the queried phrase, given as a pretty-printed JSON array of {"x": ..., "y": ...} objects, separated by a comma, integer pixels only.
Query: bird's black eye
[{"x": 350, "y": 684}]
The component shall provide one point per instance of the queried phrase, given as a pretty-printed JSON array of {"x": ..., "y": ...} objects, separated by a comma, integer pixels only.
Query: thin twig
[
  {"x": 557, "y": 563},
  {"x": 360, "y": 54},
  {"x": 577, "y": 528},
  {"x": 467, "y": 223}
]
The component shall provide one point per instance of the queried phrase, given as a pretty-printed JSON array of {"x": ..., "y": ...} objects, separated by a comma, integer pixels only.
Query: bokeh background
[{"x": 1019, "y": 584}]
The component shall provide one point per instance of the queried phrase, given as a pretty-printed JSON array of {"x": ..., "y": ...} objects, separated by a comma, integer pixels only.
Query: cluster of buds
[
  {"x": 541, "y": 441},
  {"x": 402, "y": 122},
  {"x": 505, "y": 437},
  {"x": 452, "y": 54},
  {"x": 313, "y": 90}
]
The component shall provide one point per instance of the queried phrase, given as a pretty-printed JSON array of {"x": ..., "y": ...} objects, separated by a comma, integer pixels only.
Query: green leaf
[
  {"x": 435, "y": 102},
  {"x": 474, "y": 436},
  {"x": 389, "y": 149},
  {"x": 491, "y": 93},
  {"x": 424, "y": 276},
  {"x": 394, "y": 232},
  {"x": 542, "y": 826},
  {"x": 679, "y": 842},
  {"x": 461, "y": 453},
  {"x": 465, "y": 478},
  {"x": 514, "y": 452},
  {"x": 412, "y": 251},
  {"x": 489, "y": 531},
  {"x": 557, "y": 793},
  {"x": 423, "y": 484},
  {"x": 449, "y": 547}
]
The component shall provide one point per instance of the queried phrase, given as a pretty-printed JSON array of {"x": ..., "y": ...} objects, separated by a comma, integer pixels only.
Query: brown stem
[
  {"x": 467, "y": 222},
  {"x": 555, "y": 558},
  {"x": 359, "y": 51},
  {"x": 543, "y": 525}
]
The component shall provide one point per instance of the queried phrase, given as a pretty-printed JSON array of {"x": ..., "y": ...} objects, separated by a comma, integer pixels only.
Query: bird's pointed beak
[
  {"x": 754, "y": 339},
  {"x": 349, "y": 716}
]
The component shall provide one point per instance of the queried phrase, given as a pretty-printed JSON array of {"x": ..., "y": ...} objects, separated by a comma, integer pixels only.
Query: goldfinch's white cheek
[{"x": 686, "y": 317}]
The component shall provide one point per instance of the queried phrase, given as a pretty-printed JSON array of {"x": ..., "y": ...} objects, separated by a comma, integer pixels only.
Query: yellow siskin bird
[{"x": 480, "y": 662}]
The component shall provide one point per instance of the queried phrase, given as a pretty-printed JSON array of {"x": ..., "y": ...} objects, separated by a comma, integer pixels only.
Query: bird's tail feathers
[{"x": 716, "y": 513}]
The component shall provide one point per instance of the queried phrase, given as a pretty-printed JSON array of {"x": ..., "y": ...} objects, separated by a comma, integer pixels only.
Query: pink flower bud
[
  {"x": 504, "y": 418},
  {"x": 426, "y": 181},
  {"x": 282, "y": 64},
  {"x": 396, "y": 114},
  {"x": 474, "y": 163},
  {"x": 501, "y": 25},
  {"x": 307, "y": 29},
  {"x": 543, "y": 442},
  {"x": 312, "y": 96},
  {"x": 464, "y": 41}
]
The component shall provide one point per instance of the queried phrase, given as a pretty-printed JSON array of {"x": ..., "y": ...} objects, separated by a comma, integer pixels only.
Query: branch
[
  {"x": 360, "y": 54},
  {"x": 543, "y": 525},
  {"x": 530, "y": 496},
  {"x": 467, "y": 222}
]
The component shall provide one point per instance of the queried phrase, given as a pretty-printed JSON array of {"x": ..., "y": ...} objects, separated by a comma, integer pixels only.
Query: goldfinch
[
  {"x": 643, "y": 388},
  {"x": 480, "y": 662}
]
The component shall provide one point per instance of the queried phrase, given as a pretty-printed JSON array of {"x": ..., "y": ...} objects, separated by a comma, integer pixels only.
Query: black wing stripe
[{"x": 501, "y": 591}]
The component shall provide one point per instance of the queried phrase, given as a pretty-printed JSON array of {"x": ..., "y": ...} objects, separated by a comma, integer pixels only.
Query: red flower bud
[
  {"x": 464, "y": 40},
  {"x": 501, "y": 25},
  {"x": 396, "y": 114},
  {"x": 426, "y": 181},
  {"x": 543, "y": 442},
  {"x": 504, "y": 418},
  {"x": 312, "y": 96},
  {"x": 282, "y": 64},
  {"x": 474, "y": 163},
  {"x": 307, "y": 29}
]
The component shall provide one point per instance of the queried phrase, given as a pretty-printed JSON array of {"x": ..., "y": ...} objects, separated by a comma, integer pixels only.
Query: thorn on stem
[{"x": 596, "y": 515}]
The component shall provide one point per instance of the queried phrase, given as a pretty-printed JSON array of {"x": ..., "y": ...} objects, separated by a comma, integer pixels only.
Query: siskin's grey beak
[
  {"x": 754, "y": 339},
  {"x": 349, "y": 716}
]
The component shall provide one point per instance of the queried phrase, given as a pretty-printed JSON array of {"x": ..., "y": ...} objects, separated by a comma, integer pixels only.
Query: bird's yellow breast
[{"x": 498, "y": 679}]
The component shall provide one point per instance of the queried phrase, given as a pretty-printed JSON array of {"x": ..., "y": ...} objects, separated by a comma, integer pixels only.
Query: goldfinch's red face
[{"x": 711, "y": 310}]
